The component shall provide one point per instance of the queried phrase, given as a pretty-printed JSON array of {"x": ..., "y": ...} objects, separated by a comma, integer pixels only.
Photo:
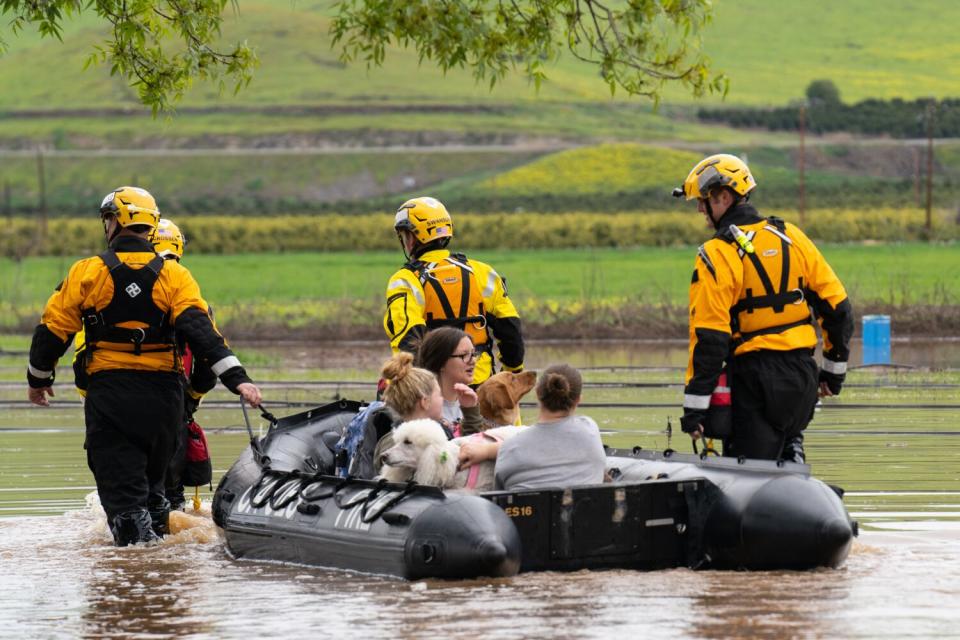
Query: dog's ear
[
  {"x": 492, "y": 397},
  {"x": 521, "y": 384},
  {"x": 437, "y": 464}
]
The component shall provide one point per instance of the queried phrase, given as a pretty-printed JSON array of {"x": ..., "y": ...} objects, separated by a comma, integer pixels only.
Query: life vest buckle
[
  {"x": 137, "y": 340},
  {"x": 799, "y": 300}
]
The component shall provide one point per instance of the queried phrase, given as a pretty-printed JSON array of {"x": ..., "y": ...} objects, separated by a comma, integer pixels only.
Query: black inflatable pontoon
[{"x": 664, "y": 510}]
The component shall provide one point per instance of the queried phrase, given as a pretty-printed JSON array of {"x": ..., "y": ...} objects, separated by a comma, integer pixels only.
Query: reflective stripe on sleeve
[
  {"x": 491, "y": 284},
  {"x": 224, "y": 365},
  {"x": 400, "y": 283},
  {"x": 830, "y": 366},
  {"x": 696, "y": 402},
  {"x": 39, "y": 373}
]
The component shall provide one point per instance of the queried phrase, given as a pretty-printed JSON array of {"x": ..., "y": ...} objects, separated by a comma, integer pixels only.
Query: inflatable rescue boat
[{"x": 280, "y": 502}]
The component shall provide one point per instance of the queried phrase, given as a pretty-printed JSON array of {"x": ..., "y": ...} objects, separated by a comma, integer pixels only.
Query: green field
[
  {"x": 240, "y": 183},
  {"x": 560, "y": 291},
  {"x": 606, "y": 177},
  {"x": 628, "y": 176}
]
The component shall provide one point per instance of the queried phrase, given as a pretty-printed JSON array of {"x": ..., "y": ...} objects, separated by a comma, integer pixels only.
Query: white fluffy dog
[{"x": 421, "y": 452}]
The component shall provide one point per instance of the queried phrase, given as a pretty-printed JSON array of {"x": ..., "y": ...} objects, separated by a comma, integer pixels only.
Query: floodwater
[{"x": 890, "y": 440}]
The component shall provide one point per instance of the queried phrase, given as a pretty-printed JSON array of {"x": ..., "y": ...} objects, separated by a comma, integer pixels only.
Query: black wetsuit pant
[
  {"x": 773, "y": 396},
  {"x": 178, "y": 461},
  {"x": 132, "y": 420}
]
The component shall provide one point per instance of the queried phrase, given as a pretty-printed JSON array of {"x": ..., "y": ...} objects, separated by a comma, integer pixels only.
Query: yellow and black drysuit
[
  {"x": 439, "y": 288},
  {"x": 133, "y": 307},
  {"x": 758, "y": 299},
  {"x": 198, "y": 380}
]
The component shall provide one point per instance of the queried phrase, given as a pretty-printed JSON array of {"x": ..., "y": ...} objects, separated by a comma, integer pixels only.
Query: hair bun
[
  {"x": 559, "y": 386},
  {"x": 557, "y": 383},
  {"x": 397, "y": 367}
]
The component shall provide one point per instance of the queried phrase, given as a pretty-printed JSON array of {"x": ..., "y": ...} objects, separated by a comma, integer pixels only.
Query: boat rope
[
  {"x": 280, "y": 488},
  {"x": 265, "y": 485},
  {"x": 392, "y": 502}
]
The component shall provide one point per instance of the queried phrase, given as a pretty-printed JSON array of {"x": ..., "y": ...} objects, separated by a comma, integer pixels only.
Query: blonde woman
[{"x": 412, "y": 394}]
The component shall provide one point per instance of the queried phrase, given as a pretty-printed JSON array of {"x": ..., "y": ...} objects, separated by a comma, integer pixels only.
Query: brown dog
[{"x": 500, "y": 395}]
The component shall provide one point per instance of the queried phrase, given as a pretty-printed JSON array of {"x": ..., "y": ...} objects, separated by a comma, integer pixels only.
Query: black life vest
[{"x": 132, "y": 301}]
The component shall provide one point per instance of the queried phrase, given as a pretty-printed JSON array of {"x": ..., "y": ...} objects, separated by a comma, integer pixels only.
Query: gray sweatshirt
[{"x": 563, "y": 453}]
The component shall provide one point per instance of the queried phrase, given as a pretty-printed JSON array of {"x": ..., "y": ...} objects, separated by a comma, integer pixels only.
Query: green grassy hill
[
  {"x": 606, "y": 177},
  {"x": 770, "y": 51},
  {"x": 869, "y": 48}
]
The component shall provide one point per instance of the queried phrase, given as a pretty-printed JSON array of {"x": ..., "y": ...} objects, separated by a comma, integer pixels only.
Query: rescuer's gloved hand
[
  {"x": 834, "y": 381},
  {"x": 190, "y": 406},
  {"x": 691, "y": 420}
]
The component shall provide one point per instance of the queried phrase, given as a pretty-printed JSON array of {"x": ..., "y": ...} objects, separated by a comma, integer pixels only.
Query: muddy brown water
[{"x": 61, "y": 578}]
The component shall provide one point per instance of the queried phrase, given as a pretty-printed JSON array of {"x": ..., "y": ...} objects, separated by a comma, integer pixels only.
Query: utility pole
[
  {"x": 802, "y": 163},
  {"x": 917, "y": 178},
  {"x": 42, "y": 218},
  {"x": 930, "y": 113}
]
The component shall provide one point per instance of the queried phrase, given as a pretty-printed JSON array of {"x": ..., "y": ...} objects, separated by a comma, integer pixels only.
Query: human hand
[
  {"x": 472, "y": 453},
  {"x": 466, "y": 396},
  {"x": 38, "y": 396},
  {"x": 249, "y": 392},
  {"x": 692, "y": 422},
  {"x": 830, "y": 383},
  {"x": 190, "y": 406}
]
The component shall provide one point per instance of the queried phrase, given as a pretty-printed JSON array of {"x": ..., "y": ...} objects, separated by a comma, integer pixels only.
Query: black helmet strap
[{"x": 737, "y": 199}]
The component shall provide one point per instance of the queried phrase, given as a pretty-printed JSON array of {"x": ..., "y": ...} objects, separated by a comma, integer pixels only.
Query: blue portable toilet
[{"x": 876, "y": 339}]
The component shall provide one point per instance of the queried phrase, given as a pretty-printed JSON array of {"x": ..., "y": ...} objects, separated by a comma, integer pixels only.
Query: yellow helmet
[
  {"x": 720, "y": 170},
  {"x": 426, "y": 218},
  {"x": 131, "y": 206},
  {"x": 168, "y": 240}
]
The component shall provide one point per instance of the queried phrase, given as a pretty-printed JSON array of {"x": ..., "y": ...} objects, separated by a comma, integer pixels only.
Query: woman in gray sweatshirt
[{"x": 561, "y": 449}]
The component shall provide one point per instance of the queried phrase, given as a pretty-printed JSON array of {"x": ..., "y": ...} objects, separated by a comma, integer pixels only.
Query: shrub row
[
  {"x": 896, "y": 118},
  {"x": 235, "y": 234}
]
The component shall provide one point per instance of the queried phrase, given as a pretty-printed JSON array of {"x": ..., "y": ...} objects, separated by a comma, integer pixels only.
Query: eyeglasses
[{"x": 469, "y": 356}]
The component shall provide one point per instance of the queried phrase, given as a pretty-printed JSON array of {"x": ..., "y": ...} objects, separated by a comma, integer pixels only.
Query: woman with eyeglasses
[{"x": 450, "y": 354}]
